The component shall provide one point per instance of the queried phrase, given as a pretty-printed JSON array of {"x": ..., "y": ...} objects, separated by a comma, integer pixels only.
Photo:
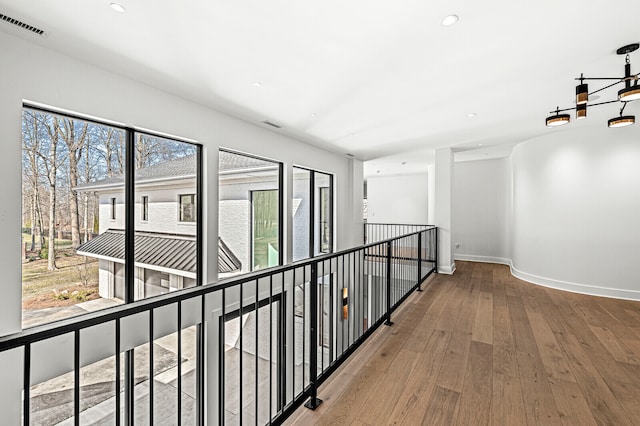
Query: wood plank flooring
[{"x": 482, "y": 347}]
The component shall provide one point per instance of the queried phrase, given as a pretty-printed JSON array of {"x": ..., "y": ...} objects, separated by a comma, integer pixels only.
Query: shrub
[{"x": 62, "y": 295}]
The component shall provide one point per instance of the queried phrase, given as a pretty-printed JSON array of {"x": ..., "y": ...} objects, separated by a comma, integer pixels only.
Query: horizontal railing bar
[
  {"x": 64, "y": 326},
  {"x": 398, "y": 224}
]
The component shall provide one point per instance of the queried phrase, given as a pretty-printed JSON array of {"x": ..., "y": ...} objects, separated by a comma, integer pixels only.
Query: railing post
[
  {"x": 314, "y": 402},
  {"x": 388, "y": 314},
  {"x": 419, "y": 261}
]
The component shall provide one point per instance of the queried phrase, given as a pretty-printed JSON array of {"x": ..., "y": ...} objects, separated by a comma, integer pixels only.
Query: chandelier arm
[
  {"x": 600, "y": 78},
  {"x": 605, "y": 87},
  {"x": 557, "y": 111},
  {"x": 603, "y": 103}
]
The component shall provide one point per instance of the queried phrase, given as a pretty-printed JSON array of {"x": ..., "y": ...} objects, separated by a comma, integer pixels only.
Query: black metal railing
[
  {"x": 374, "y": 232},
  {"x": 250, "y": 349}
]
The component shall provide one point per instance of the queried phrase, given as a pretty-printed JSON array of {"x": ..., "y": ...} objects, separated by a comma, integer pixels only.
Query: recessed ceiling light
[
  {"x": 471, "y": 114},
  {"x": 480, "y": 144},
  {"x": 404, "y": 162},
  {"x": 449, "y": 20},
  {"x": 313, "y": 115},
  {"x": 378, "y": 171},
  {"x": 257, "y": 83},
  {"x": 118, "y": 7}
]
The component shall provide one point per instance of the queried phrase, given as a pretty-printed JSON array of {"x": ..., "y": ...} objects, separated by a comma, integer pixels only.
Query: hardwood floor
[{"x": 482, "y": 347}]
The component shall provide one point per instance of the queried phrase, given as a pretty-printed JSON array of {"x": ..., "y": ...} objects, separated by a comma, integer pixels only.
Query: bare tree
[
  {"x": 51, "y": 166},
  {"x": 75, "y": 144},
  {"x": 31, "y": 147},
  {"x": 114, "y": 151}
]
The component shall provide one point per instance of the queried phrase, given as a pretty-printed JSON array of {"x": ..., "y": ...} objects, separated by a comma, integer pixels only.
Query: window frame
[
  {"x": 315, "y": 247},
  {"x": 130, "y": 192},
  {"x": 281, "y": 206},
  {"x": 181, "y": 212}
]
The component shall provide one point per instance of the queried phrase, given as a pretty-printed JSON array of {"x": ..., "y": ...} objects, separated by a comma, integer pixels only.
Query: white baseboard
[
  {"x": 448, "y": 270},
  {"x": 484, "y": 259},
  {"x": 615, "y": 293}
]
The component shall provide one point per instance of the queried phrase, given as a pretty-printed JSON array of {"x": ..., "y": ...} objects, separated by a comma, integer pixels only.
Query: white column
[
  {"x": 431, "y": 194},
  {"x": 443, "y": 184},
  {"x": 353, "y": 219}
]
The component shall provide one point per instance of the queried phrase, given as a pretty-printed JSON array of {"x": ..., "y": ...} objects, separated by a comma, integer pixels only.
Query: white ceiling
[{"x": 382, "y": 80}]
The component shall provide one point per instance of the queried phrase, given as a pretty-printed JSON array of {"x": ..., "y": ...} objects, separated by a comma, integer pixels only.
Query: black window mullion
[
  {"x": 129, "y": 258},
  {"x": 199, "y": 218},
  {"x": 281, "y": 214},
  {"x": 330, "y": 213},
  {"x": 312, "y": 213},
  {"x": 129, "y": 220}
]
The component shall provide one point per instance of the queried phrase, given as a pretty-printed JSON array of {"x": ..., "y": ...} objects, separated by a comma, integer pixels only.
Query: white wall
[
  {"x": 30, "y": 72},
  {"x": 563, "y": 210},
  {"x": 576, "y": 211},
  {"x": 398, "y": 199},
  {"x": 480, "y": 210},
  {"x": 163, "y": 209}
]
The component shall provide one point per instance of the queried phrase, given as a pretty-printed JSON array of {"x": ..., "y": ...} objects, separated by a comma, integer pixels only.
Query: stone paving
[{"x": 35, "y": 317}]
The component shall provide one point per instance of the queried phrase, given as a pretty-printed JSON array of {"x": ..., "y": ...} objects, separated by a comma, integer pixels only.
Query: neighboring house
[{"x": 165, "y": 249}]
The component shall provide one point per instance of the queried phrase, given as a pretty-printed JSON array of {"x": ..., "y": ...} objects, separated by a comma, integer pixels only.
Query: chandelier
[{"x": 630, "y": 92}]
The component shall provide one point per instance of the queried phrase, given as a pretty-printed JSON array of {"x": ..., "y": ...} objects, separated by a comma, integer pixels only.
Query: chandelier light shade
[
  {"x": 622, "y": 121},
  {"x": 557, "y": 120},
  {"x": 581, "y": 111},
  {"x": 630, "y": 92},
  {"x": 582, "y": 94}
]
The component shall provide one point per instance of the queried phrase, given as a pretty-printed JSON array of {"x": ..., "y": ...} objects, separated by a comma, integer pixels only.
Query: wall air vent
[
  {"x": 268, "y": 123},
  {"x": 22, "y": 25}
]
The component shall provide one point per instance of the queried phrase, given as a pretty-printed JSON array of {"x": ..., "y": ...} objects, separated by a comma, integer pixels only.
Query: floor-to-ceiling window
[
  {"x": 109, "y": 215},
  {"x": 250, "y": 213}
]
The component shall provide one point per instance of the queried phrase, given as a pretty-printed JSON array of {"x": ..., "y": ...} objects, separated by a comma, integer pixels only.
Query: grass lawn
[{"x": 42, "y": 288}]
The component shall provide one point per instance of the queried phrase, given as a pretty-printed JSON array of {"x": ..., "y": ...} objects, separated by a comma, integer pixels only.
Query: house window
[
  {"x": 145, "y": 208},
  {"x": 113, "y": 208},
  {"x": 187, "y": 208}
]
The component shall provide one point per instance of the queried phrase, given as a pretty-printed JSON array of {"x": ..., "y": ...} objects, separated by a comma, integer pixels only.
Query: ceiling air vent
[
  {"x": 22, "y": 25},
  {"x": 268, "y": 123}
]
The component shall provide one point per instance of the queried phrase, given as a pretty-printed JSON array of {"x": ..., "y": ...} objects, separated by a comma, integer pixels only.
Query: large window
[
  {"x": 89, "y": 239},
  {"x": 250, "y": 219},
  {"x": 312, "y": 213}
]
